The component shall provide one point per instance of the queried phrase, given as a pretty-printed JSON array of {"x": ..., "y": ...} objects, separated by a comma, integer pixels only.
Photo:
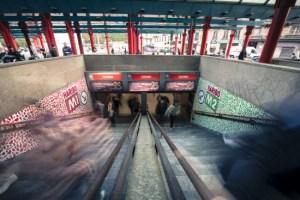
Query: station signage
[
  {"x": 71, "y": 98},
  {"x": 144, "y": 86},
  {"x": 180, "y": 86},
  {"x": 182, "y": 76},
  {"x": 107, "y": 86},
  {"x": 212, "y": 97},
  {"x": 145, "y": 76},
  {"x": 107, "y": 76}
]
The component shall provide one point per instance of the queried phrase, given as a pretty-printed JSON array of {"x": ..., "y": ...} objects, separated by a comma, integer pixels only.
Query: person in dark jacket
[
  {"x": 67, "y": 51},
  {"x": 243, "y": 54}
]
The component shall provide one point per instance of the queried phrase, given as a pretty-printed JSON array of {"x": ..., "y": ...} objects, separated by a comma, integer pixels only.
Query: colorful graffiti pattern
[{"x": 20, "y": 141}]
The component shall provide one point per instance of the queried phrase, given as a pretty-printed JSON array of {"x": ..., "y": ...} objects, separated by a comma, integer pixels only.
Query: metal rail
[
  {"x": 199, "y": 185},
  {"x": 94, "y": 188},
  {"x": 118, "y": 189},
  {"x": 174, "y": 187},
  {"x": 243, "y": 119}
]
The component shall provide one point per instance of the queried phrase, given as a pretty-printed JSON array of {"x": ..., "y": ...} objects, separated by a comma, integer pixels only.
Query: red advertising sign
[
  {"x": 180, "y": 86},
  {"x": 183, "y": 77},
  {"x": 107, "y": 76},
  {"x": 71, "y": 98},
  {"x": 144, "y": 86},
  {"x": 145, "y": 77},
  {"x": 107, "y": 86}
]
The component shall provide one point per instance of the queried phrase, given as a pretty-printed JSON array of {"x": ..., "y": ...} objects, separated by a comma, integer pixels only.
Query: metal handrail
[
  {"x": 99, "y": 179},
  {"x": 118, "y": 189},
  {"x": 199, "y": 185},
  {"x": 244, "y": 119},
  {"x": 173, "y": 184}
]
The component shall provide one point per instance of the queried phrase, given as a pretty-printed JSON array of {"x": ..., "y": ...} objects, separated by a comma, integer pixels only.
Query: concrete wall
[
  {"x": 276, "y": 89},
  {"x": 290, "y": 63},
  {"x": 141, "y": 63},
  {"x": 24, "y": 83}
]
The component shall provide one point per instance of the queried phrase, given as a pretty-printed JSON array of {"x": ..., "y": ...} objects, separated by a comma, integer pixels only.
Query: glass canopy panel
[
  {"x": 271, "y": 2},
  {"x": 254, "y": 1},
  {"x": 229, "y": 1}
]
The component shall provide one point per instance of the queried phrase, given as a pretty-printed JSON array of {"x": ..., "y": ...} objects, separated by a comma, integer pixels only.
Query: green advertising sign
[{"x": 211, "y": 101}]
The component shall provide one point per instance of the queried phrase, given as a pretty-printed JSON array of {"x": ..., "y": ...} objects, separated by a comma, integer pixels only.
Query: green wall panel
[{"x": 214, "y": 99}]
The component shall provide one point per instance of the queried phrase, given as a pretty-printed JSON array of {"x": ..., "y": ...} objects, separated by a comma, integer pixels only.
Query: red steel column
[
  {"x": 47, "y": 26},
  {"x": 206, "y": 28},
  {"x": 183, "y": 42},
  {"x": 71, "y": 37},
  {"x": 282, "y": 9},
  {"x": 41, "y": 40},
  {"x": 141, "y": 43},
  {"x": 8, "y": 38},
  {"x": 191, "y": 40},
  {"x": 175, "y": 47},
  {"x": 107, "y": 43},
  {"x": 247, "y": 36},
  {"x": 91, "y": 34},
  {"x": 129, "y": 37},
  {"x": 25, "y": 32},
  {"x": 78, "y": 32},
  {"x": 230, "y": 43},
  {"x": 137, "y": 41},
  {"x": 36, "y": 42}
]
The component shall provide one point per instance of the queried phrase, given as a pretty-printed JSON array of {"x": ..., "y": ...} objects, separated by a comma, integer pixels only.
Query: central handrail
[
  {"x": 99, "y": 179},
  {"x": 199, "y": 185},
  {"x": 117, "y": 192},
  {"x": 173, "y": 184}
]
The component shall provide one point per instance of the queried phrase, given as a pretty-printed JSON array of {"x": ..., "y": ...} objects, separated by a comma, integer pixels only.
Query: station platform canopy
[{"x": 150, "y": 16}]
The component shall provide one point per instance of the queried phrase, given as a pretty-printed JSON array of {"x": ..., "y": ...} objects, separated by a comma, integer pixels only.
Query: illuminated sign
[
  {"x": 106, "y": 76},
  {"x": 180, "y": 86},
  {"x": 107, "y": 86},
  {"x": 182, "y": 77},
  {"x": 143, "y": 86},
  {"x": 145, "y": 77}
]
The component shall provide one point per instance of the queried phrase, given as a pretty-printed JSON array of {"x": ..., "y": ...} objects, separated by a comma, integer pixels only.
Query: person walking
[
  {"x": 111, "y": 112},
  {"x": 172, "y": 112}
]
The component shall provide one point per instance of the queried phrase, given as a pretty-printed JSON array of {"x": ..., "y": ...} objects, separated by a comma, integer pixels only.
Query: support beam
[
  {"x": 71, "y": 37},
  {"x": 36, "y": 42},
  {"x": 40, "y": 36},
  {"x": 141, "y": 43},
  {"x": 248, "y": 33},
  {"x": 231, "y": 37},
  {"x": 78, "y": 33},
  {"x": 175, "y": 45},
  {"x": 91, "y": 35},
  {"x": 282, "y": 9},
  {"x": 191, "y": 40},
  {"x": 25, "y": 32},
  {"x": 183, "y": 42},
  {"x": 137, "y": 41},
  {"x": 129, "y": 37},
  {"x": 7, "y": 36},
  {"x": 206, "y": 28},
  {"x": 107, "y": 43},
  {"x": 49, "y": 34}
]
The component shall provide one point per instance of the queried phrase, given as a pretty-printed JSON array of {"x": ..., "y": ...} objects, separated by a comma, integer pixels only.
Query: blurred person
[
  {"x": 53, "y": 51},
  {"x": 243, "y": 54},
  {"x": 172, "y": 112}
]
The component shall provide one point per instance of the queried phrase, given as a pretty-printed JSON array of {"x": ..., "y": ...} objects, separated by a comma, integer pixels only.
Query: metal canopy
[{"x": 157, "y": 16}]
